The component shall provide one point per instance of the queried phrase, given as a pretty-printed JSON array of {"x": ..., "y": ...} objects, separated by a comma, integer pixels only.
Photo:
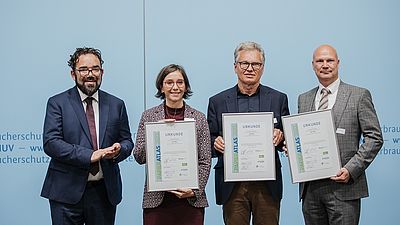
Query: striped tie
[{"x": 323, "y": 103}]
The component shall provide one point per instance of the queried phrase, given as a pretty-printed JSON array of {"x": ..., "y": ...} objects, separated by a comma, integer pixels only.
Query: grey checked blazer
[
  {"x": 154, "y": 199},
  {"x": 354, "y": 112}
]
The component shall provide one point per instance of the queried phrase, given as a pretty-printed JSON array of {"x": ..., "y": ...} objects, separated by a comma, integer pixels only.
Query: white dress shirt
[
  {"x": 95, "y": 105},
  {"x": 333, "y": 88}
]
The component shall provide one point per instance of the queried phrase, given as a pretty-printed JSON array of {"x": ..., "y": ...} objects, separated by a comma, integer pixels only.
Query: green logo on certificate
[
  {"x": 157, "y": 150},
  {"x": 235, "y": 155},
  {"x": 299, "y": 154}
]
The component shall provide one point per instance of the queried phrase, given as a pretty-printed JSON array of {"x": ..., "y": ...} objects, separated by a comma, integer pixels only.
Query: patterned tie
[
  {"x": 94, "y": 167},
  {"x": 323, "y": 103}
]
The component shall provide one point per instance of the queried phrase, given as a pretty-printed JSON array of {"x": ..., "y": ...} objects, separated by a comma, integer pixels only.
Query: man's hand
[
  {"x": 97, "y": 155},
  {"x": 219, "y": 144},
  {"x": 112, "y": 151},
  {"x": 107, "y": 153},
  {"x": 284, "y": 148},
  {"x": 343, "y": 176},
  {"x": 278, "y": 137},
  {"x": 183, "y": 193}
]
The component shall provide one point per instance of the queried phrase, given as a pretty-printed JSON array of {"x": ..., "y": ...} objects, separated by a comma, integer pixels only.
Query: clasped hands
[
  {"x": 106, "y": 153},
  {"x": 183, "y": 193}
]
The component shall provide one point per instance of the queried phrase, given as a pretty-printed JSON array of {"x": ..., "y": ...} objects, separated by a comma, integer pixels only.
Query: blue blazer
[
  {"x": 226, "y": 102},
  {"x": 66, "y": 139}
]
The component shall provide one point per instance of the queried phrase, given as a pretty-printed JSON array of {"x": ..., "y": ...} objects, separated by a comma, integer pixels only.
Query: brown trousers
[{"x": 251, "y": 199}]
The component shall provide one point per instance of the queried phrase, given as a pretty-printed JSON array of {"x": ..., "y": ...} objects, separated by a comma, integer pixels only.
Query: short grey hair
[{"x": 247, "y": 46}]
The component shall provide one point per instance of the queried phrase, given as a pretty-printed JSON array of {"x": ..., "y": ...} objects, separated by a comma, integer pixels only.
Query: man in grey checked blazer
[{"x": 338, "y": 200}]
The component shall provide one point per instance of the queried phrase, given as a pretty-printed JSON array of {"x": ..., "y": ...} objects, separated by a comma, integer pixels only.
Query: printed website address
[{"x": 31, "y": 159}]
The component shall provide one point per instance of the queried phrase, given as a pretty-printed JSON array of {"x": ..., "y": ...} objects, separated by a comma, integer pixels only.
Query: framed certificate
[
  {"x": 171, "y": 154},
  {"x": 312, "y": 145},
  {"x": 249, "y": 153}
]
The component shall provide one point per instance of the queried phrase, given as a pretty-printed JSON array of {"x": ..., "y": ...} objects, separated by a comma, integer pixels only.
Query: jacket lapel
[
  {"x": 104, "y": 108},
  {"x": 265, "y": 99},
  {"x": 231, "y": 100},
  {"x": 310, "y": 100},
  {"x": 76, "y": 103},
  {"x": 341, "y": 101},
  {"x": 189, "y": 112},
  {"x": 158, "y": 112}
]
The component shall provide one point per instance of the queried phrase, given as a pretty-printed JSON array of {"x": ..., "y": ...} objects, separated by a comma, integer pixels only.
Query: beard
[{"x": 86, "y": 88}]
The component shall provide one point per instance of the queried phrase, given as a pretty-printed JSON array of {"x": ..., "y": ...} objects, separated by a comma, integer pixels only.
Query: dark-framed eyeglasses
[
  {"x": 245, "y": 65},
  {"x": 171, "y": 83},
  {"x": 84, "y": 71}
]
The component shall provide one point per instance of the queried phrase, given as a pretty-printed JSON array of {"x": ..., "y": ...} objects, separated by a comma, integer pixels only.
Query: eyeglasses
[
  {"x": 170, "y": 83},
  {"x": 245, "y": 65},
  {"x": 84, "y": 71}
]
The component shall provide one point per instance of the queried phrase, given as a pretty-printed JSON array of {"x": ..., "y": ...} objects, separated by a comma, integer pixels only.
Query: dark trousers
[
  {"x": 251, "y": 199},
  {"x": 321, "y": 207},
  {"x": 93, "y": 209},
  {"x": 173, "y": 211}
]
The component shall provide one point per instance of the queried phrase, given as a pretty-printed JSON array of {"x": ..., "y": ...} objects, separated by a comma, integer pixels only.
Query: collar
[
  {"x": 241, "y": 94},
  {"x": 84, "y": 96},
  {"x": 333, "y": 87}
]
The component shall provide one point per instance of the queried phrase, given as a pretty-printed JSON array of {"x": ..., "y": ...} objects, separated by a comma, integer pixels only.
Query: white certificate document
[
  {"x": 249, "y": 153},
  {"x": 171, "y": 154},
  {"x": 312, "y": 146}
]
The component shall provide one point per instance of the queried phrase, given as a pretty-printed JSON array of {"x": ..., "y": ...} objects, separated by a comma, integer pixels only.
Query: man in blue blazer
[
  {"x": 337, "y": 200},
  {"x": 257, "y": 199},
  {"x": 86, "y": 133}
]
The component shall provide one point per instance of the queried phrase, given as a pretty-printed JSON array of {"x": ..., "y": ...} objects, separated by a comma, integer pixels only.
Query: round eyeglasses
[
  {"x": 254, "y": 65},
  {"x": 171, "y": 83}
]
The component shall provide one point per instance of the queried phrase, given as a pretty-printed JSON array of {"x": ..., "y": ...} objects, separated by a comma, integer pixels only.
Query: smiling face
[
  {"x": 88, "y": 74},
  {"x": 174, "y": 88},
  {"x": 326, "y": 64}
]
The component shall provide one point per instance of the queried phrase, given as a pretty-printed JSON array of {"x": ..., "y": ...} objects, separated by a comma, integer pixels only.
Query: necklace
[
  {"x": 173, "y": 116},
  {"x": 174, "y": 113}
]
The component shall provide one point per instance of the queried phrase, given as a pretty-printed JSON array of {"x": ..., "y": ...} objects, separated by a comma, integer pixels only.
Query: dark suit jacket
[
  {"x": 226, "y": 102},
  {"x": 354, "y": 113},
  {"x": 66, "y": 139}
]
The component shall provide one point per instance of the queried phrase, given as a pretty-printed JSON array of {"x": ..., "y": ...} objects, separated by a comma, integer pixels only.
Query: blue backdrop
[{"x": 138, "y": 37}]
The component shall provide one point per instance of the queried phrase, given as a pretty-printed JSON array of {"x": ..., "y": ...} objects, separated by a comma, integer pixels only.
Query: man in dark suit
[
  {"x": 336, "y": 200},
  {"x": 86, "y": 133},
  {"x": 257, "y": 199}
]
